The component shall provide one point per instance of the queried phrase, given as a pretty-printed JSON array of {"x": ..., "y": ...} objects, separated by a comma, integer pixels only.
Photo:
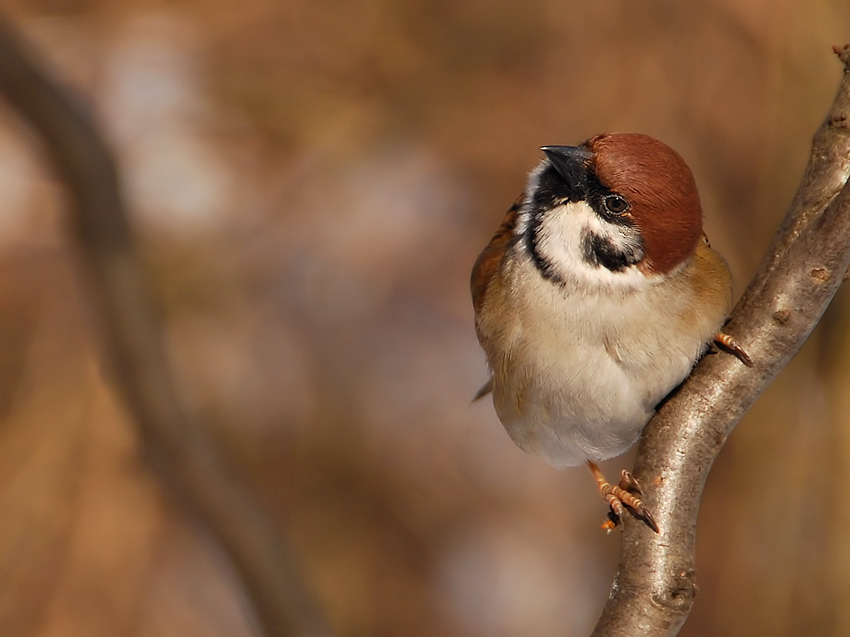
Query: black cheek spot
[{"x": 601, "y": 251}]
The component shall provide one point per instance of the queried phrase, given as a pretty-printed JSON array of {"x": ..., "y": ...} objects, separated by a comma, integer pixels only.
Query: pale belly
[
  {"x": 578, "y": 379},
  {"x": 579, "y": 405},
  {"x": 578, "y": 373}
]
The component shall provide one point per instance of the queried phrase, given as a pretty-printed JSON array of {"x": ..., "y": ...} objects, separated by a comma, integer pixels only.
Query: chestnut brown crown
[{"x": 660, "y": 188}]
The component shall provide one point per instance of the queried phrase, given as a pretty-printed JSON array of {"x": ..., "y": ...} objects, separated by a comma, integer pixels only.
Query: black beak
[{"x": 569, "y": 161}]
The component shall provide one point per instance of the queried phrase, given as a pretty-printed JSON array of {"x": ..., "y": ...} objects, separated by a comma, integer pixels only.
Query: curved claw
[
  {"x": 620, "y": 498},
  {"x": 729, "y": 343}
]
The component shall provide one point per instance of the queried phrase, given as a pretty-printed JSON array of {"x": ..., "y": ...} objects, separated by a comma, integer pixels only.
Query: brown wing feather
[{"x": 490, "y": 259}]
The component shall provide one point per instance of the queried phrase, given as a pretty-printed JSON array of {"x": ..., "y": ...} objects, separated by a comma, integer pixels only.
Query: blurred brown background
[{"x": 311, "y": 181}]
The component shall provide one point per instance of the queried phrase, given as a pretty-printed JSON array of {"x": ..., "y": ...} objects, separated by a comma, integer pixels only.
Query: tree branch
[
  {"x": 655, "y": 587},
  {"x": 181, "y": 450}
]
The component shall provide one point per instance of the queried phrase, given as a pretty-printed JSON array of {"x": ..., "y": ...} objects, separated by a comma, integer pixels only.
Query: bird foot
[{"x": 621, "y": 498}]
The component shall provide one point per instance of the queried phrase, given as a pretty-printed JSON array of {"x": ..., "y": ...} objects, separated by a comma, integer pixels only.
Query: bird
[{"x": 594, "y": 300}]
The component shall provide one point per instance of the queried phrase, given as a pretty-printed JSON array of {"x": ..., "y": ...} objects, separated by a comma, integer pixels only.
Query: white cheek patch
[{"x": 559, "y": 242}]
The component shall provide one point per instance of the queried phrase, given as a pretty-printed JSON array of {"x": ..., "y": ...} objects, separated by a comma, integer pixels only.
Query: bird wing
[
  {"x": 488, "y": 262},
  {"x": 486, "y": 266}
]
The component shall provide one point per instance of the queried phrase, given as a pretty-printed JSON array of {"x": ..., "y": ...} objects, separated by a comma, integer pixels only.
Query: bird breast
[{"x": 578, "y": 369}]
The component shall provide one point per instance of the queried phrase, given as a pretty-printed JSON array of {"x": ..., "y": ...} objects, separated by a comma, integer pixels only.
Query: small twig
[
  {"x": 803, "y": 268},
  {"x": 181, "y": 451}
]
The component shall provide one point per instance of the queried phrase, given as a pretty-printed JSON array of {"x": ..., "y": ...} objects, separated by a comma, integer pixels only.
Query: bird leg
[{"x": 622, "y": 497}]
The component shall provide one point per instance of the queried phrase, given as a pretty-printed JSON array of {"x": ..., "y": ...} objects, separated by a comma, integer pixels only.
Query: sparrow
[{"x": 594, "y": 299}]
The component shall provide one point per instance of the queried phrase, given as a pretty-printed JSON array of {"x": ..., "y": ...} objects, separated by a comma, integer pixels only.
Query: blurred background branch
[
  {"x": 181, "y": 451},
  {"x": 800, "y": 273},
  {"x": 308, "y": 184}
]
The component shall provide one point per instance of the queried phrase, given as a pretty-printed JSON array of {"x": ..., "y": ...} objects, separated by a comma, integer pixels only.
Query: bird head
[{"x": 620, "y": 209}]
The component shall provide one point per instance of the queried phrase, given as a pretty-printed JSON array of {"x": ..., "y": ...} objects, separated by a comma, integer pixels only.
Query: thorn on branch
[{"x": 843, "y": 53}]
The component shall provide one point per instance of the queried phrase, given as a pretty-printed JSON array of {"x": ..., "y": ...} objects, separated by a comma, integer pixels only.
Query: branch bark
[
  {"x": 181, "y": 451},
  {"x": 655, "y": 587}
]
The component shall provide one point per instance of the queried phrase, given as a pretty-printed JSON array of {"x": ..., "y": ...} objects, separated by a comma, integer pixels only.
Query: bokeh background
[{"x": 310, "y": 182}]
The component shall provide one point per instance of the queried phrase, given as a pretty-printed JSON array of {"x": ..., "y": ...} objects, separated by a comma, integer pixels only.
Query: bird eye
[{"x": 616, "y": 204}]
